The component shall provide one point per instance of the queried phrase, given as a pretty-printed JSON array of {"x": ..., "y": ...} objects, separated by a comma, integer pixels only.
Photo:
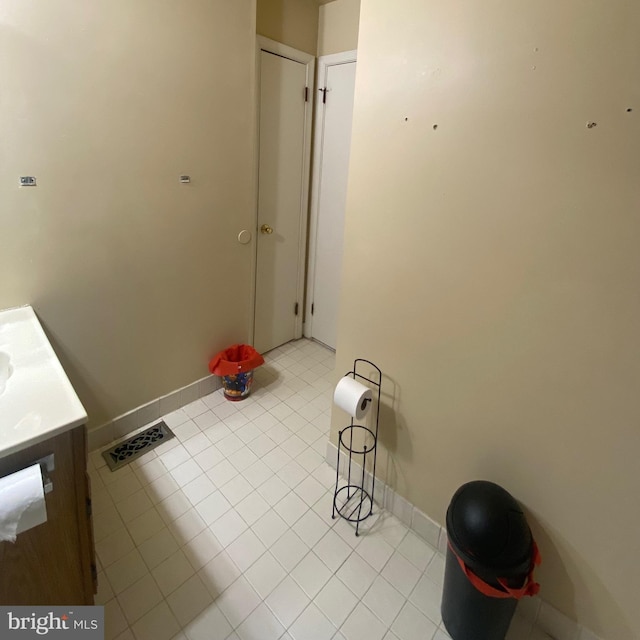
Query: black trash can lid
[{"x": 488, "y": 529}]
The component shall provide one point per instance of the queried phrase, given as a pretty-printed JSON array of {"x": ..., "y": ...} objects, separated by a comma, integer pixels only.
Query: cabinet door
[{"x": 51, "y": 563}]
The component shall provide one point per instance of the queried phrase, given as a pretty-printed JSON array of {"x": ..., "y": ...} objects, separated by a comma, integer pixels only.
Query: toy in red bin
[{"x": 235, "y": 366}]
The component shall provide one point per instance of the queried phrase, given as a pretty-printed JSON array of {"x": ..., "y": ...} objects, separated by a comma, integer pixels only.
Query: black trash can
[{"x": 490, "y": 560}]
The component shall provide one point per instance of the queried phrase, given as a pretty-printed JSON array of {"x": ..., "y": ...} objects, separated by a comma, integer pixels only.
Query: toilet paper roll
[
  {"x": 22, "y": 504},
  {"x": 352, "y": 397}
]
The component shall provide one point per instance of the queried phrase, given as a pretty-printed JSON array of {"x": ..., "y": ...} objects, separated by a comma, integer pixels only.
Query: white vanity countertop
[{"x": 38, "y": 401}]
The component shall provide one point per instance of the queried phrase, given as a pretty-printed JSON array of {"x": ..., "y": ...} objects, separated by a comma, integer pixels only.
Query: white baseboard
[
  {"x": 535, "y": 612},
  {"x": 131, "y": 421}
]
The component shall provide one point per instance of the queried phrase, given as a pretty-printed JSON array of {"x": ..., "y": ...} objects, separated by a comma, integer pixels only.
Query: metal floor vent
[{"x": 125, "y": 452}]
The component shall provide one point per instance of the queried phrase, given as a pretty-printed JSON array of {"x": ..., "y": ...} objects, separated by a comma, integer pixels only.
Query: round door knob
[{"x": 265, "y": 228}]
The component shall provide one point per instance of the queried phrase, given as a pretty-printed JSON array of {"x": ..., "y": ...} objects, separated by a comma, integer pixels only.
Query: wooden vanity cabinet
[{"x": 53, "y": 563}]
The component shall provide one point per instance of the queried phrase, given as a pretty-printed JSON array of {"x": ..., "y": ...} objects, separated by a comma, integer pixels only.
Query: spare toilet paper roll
[
  {"x": 352, "y": 397},
  {"x": 22, "y": 504}
]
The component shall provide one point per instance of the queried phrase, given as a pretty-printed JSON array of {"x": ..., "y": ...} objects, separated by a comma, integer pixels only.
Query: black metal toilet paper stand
[{"x": 351, "y": 499}]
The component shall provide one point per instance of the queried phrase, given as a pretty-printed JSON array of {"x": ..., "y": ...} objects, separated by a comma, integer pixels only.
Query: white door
[
  {"x": 284, "y": 119},
  {"x": 334, "y": 114}
]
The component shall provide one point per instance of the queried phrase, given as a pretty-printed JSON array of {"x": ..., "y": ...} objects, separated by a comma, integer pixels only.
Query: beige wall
[
  {"x": 136, "y": 278},
  {"x": 291, "y": 22},
  {"x": 338, "y": 28},
  {"x": 492, "y": 268}
]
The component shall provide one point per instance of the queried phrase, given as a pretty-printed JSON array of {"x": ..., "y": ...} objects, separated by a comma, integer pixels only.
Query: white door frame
[
  {"x": 333, "y": 59},
  {"x": 277, "y": 48}
]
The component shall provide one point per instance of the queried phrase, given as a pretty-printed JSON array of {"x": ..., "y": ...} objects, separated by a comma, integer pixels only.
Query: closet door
[
  {"x": 334, "y": 116},
  {"x": 283, "y": 178}
]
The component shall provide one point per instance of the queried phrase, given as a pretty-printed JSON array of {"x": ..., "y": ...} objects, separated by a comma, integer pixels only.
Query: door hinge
[
  {"x": 324, "y": 95},
  {"x": 94, "y": 573},
  {"x": 306, "y": 94},
  {"x": 296, "y": 308},
  {"x": 89, "y": 508},
  {"x": 312, "y": 307}
]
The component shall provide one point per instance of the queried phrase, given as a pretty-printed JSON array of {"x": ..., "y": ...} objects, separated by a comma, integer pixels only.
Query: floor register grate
[{"x": 128, "y": 450}]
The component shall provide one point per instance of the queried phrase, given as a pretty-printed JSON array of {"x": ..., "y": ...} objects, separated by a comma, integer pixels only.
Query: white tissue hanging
[
  {"x": 22, "y": 504},
  {"x": 353, "y": 397}
]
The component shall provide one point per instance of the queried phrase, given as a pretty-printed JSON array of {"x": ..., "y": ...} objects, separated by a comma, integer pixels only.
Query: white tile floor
[{"x": 225, "y": 532}]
